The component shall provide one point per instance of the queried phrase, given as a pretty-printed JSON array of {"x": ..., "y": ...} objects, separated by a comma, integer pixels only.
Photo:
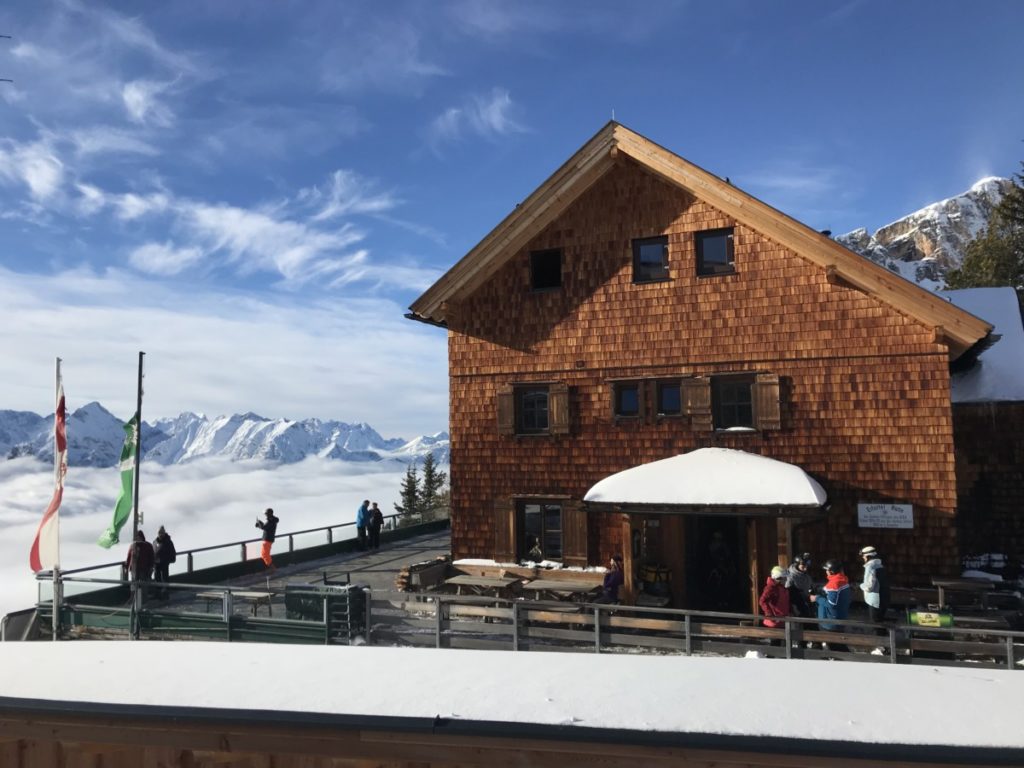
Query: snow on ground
[{"x": 867, "y": 703}]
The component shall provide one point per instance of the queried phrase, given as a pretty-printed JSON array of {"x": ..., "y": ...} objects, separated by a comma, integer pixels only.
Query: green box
[{"x": 933, "y": 617}]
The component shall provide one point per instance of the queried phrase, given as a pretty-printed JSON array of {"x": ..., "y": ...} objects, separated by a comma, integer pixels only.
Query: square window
[
  {"x": 546, "y": 269},
  {"x": 627, "y": 399},
  {"x": 732, "y": 401},
  {"x": 670, "y": 401},
  {"x": 715, "y": 252},
  {"x": 540, "y": 531},
  {"x": 650, "y": 259},
  {"x": 531, "y": 409}
]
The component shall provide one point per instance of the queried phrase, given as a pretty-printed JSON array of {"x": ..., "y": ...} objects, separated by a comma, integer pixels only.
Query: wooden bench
[
  {"x": 562, "y": 589},
  {"x": 482, "y": 585}
]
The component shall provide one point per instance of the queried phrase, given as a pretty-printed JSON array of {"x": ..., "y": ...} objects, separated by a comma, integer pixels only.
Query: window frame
[
  {"x": 698, "y": 242},
  {"x": 637, "y": 244},
  {"x": 521, "y": 528},
  {"x": 718, "y": 406},
  {"x": 618, "y": 387},
  {"x": 520, "y": 393},
  {"x": 535, "y": 257},
  {"x": 659, "y": 386}
]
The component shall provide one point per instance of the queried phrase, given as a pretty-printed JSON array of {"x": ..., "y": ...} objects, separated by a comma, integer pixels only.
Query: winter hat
[
  {"x": 778, "y": 572},
  {"x": 869, "y": 552}
]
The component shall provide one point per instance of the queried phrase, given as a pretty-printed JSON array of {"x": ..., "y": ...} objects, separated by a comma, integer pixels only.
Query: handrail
[{"x": 188, "y": 553}]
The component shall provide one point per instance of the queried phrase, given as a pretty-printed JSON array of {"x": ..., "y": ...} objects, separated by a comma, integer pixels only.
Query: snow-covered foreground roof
[
  {"x": 711, "y": 476},
  {"x": 815, "y": 700},
  {"x": 999, "y": 372}
]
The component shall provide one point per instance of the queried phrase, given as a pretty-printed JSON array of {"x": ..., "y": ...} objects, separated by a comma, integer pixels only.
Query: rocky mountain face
[
  {"x": 95, "y": 437},
  {"x": 925, "y": 245}
]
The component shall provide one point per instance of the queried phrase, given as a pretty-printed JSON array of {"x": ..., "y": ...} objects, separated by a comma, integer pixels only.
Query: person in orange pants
[{"x": 269, "y": 527}]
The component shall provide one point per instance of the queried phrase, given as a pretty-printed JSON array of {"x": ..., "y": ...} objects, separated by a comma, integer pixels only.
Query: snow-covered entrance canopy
[{"x": 709, "y": 477}]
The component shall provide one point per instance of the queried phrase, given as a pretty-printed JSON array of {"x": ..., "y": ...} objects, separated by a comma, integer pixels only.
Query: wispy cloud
[
  {"x": 386, "y": 57},
  {"x": 349, "y": 193},
  {"x": 141, "y": 101},
  {"x": 34, "y": 164},
  {"x": 815, "y": 193},
  {"x": 164, "y": 258},
  {"x": 489, "y": 117},
  {"x": 103, "y": 140}
]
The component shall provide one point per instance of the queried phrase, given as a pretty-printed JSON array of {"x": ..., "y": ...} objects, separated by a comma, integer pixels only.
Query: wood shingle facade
[{"x": 636, "y": 307}]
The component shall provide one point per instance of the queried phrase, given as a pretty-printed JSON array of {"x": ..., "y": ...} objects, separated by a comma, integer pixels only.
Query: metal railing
[{"x": 45, "y": 579}]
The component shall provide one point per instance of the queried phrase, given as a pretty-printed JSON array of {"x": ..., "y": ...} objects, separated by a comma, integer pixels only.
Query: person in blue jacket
[
  {"x": 833, "y": 601},
  {"x": 362, "y": 519}
]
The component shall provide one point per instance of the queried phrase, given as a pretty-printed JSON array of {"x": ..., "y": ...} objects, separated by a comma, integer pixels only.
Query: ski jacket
[
  {"x": 774, "y": 601},
  {"x": 269, "y": 528},
  {"x": 361, "y": 516},
  {"x": 163, "y": 550},
  {"x": 875, "y": 585},
  {"x": 834, "y": 600}
]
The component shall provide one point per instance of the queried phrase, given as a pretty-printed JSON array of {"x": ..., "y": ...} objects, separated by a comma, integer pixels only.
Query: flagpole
[
  {"x": 133, "y": 634},
  {"x": 56, "y": 481}
]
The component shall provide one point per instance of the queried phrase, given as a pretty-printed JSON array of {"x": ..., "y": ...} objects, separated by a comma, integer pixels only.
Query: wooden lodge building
[{"x": 636, "y": 307}]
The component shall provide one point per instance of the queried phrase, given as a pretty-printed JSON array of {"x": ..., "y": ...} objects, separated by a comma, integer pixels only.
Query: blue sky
[{"x": 254, "y": 192}]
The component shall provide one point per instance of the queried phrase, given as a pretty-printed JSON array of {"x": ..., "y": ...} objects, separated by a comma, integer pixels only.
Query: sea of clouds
[{"x": 201, "y": 504}]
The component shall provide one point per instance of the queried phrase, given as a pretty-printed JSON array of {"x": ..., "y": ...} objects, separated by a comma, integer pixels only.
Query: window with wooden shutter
[
  {"x": 697, "y": 403},
  {"x": 558, "y": 409},
  {"x": 506, "y": 410},
  {"x": 766, "y": 402},
  {"x": 504, "y": 530}
]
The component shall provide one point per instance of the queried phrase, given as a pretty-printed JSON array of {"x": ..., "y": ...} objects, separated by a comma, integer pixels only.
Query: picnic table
[
  {"x": 481, "y": 585},
  {"x": 254, "y": 598},
  {"x": 561, "y": 589}
]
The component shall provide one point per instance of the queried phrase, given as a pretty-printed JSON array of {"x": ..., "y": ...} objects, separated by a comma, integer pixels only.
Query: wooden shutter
[
  {"x": 504, "y": 530},
  {"x": 574, "y": 534},
  {"x": 697, "y": 403},
  {"x": 558, "y": 409},
  {"x": 766, "y": 402},
  {"x": 506, "y": 410}
]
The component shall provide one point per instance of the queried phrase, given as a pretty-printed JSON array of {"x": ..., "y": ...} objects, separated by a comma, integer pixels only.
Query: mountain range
[
  {"x": 923, "y": 246},
  {"x": 95, "y": 438}
]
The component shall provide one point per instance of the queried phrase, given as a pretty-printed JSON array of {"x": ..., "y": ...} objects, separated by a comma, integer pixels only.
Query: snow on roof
[
  {"x": 711, "y": 476},
  {"x": 865, "y": 703},
  {"x": 999, "y": 373}
]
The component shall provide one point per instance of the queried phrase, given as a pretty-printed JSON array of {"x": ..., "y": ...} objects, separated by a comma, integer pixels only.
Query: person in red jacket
[{"x": 775, "y": 597}]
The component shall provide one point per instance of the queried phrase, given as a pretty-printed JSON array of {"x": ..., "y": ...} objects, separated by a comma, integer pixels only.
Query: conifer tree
[
  {"x": 996, "y": 256},
  {"x": 433, "y": 484},
  {"x": 409, "y": 510}
]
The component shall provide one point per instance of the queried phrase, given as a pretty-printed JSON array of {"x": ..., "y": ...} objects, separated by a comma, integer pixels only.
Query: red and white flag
[{"x": 45, "y": 554}]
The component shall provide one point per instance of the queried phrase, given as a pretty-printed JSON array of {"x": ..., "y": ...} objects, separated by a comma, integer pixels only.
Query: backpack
[{"x": 172, "y": 555}]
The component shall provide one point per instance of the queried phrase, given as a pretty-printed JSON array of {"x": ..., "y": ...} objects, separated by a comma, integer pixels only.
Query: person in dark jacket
[
  {"x": 774, "y": 600},
  {"x": 140, "y": 566},
  {"x": 800, "y": 585},
  {"x": 613, "y": 579},
  {"x": 375, "y": 524},
  {"x": 163, "y": 555},
  {"x": 269, "y": 527}
]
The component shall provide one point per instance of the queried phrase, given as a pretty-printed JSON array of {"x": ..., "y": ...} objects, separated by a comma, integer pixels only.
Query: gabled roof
[{"x": 952, "y": 325}]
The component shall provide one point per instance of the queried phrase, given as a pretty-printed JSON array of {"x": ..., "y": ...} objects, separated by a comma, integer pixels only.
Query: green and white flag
[{"x": 123, "y": 508}]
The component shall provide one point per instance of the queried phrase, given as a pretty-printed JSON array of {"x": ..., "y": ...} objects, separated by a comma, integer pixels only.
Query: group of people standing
[
  {"x": 369, "y": 520},
  {"x": 794, "y": 592},
  {"x": 151, "y": 561}
]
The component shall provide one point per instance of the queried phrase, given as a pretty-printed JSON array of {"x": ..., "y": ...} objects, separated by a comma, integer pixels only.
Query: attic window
[
  {"x": 546, "y": 269},
  {"x": 650, "y": 259},
  {"x": 715, "y": 252}
]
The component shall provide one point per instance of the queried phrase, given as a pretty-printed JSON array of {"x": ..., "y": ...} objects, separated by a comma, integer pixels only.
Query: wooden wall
[
  {"x": 990, "y": 477},
  {"x": 865, "y": 389}
]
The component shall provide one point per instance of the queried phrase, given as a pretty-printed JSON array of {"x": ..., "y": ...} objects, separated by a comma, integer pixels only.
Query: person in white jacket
[{"x": 875, "y": 585}]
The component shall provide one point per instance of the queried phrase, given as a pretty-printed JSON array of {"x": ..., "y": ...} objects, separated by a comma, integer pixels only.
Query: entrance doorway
[{"x": 717, "y": 570}]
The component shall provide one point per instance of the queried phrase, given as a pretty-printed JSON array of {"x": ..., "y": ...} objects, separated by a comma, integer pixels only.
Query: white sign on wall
[{"x": 885, "y": 515}]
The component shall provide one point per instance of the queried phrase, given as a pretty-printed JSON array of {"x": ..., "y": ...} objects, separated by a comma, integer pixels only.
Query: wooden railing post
[
  {"x": 688, "y": 635},
  {"x": 515, "y": 626},
  {"x": 789, "y": 638},
  {"x": 437, "y": 621},
  {"x": 1009, "y": 652},
  {"x": 242, "y": 548},
  {"x": 597, "y": 629},
  {"x": 189, "y": 562}
]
